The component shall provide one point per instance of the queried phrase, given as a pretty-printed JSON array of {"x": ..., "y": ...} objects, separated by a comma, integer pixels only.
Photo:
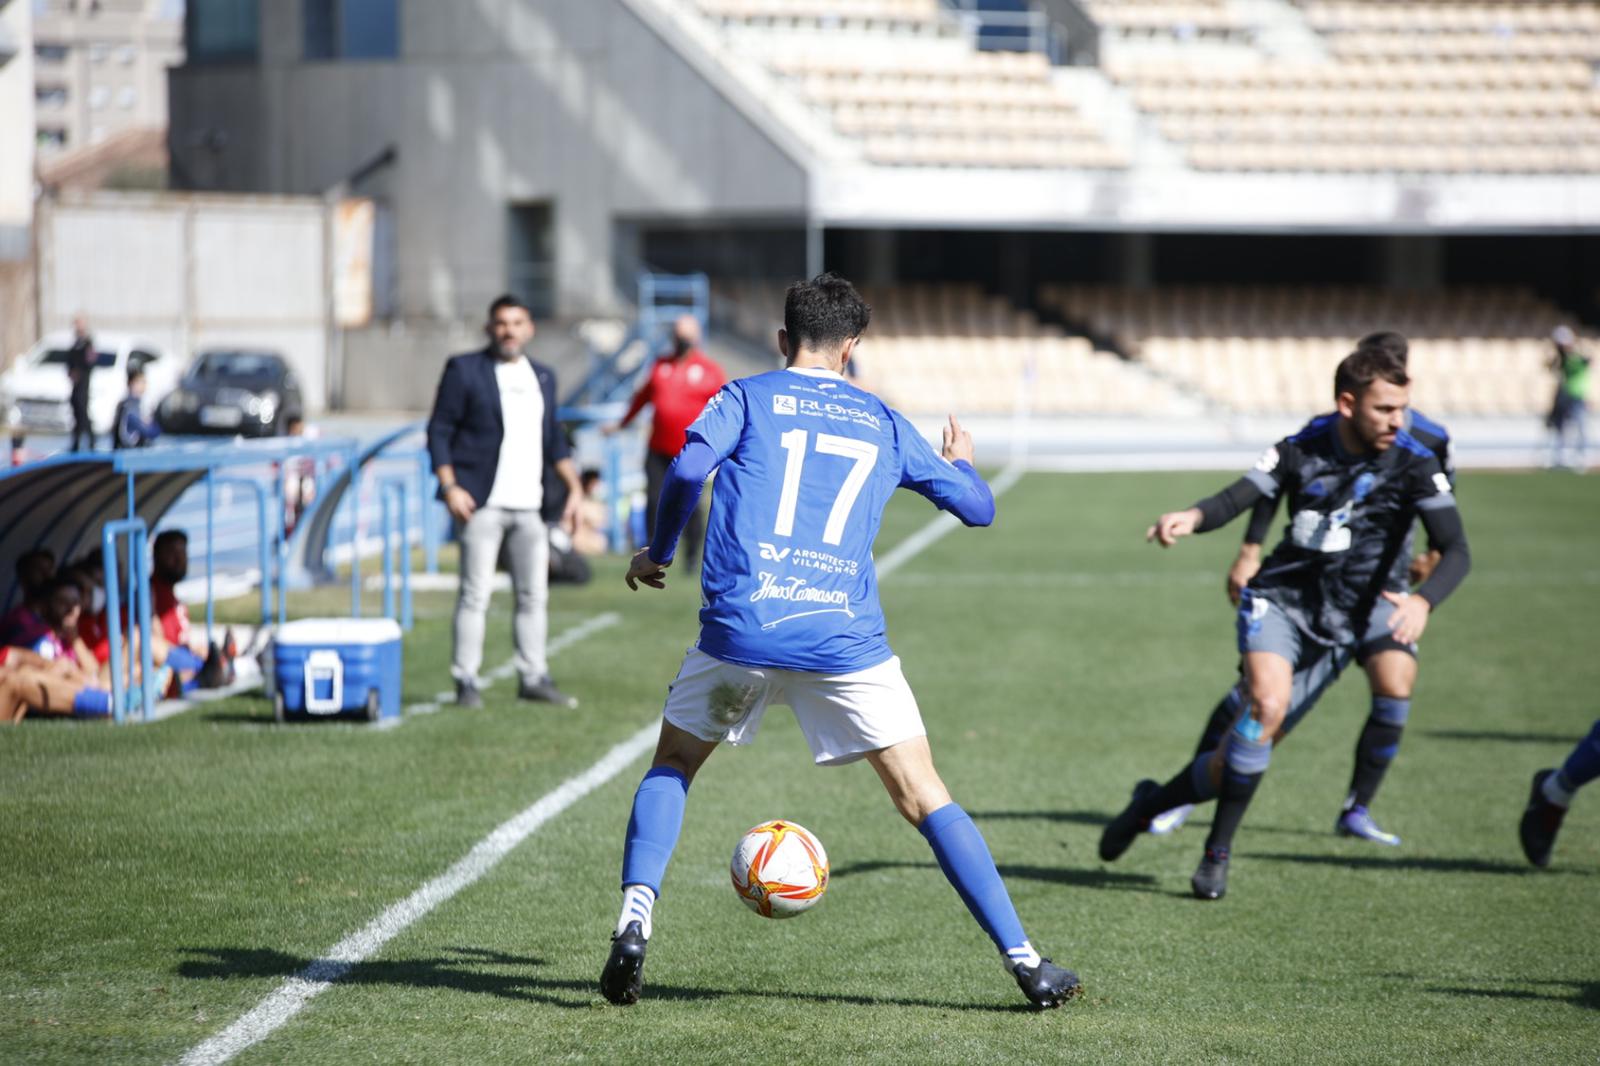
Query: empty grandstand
[{"x": 1067, "y": 207}]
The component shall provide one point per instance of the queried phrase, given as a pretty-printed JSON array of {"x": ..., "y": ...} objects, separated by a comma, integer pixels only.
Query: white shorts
[{"x": 843, "y": 716}]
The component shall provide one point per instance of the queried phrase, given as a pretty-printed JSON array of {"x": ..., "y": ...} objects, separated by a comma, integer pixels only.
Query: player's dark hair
[
  {"x": 28, "y": 558},
  {"x": 64, "y": 580},
  {"x": 1364, "y": 366},
  {"x": 823, "y": 313},
  {"x": 1389, "y": 341},
  {"x": 167, "y": 536},
  {"x": 135, "y": 373},
  {"x": 504, "y": 301}
]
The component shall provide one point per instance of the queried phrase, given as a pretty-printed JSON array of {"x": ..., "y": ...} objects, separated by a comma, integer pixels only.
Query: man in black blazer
[
  {"x": 81, "y": 361},
  {"x": 503, "y": 463}
]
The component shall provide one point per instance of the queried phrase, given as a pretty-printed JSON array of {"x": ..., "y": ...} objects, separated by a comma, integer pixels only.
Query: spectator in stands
[
  {"x": 594, "y": 521},
  {"x": 1569, "y": 414},
  {"x": 24, "y": 623},
  {"x": 495, "y": 445},
  {"x": 130, "y": 428},
  {"x": 678, "y": 387},
  {"x": 81, "y": 361},
  {"x": 198, "y": 664}
]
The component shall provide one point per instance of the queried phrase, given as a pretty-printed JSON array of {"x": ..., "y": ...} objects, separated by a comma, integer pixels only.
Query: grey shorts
[{"x": 1266, "y": 627}]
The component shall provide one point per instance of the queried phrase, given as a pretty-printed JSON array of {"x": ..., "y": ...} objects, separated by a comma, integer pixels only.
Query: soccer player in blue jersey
[
  {"x": 1354, "y": 485},
  {"x": 1390, "y": 668},
  {"x": 1551, "y": 795},
  {"x": 805, "y": 463}
]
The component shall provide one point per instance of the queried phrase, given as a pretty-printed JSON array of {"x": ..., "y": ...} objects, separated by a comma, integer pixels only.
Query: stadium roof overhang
[{"x": 864, "y": 196}]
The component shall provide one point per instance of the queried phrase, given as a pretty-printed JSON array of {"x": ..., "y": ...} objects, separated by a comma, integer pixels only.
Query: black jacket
[{"x": 465, "y": 429}]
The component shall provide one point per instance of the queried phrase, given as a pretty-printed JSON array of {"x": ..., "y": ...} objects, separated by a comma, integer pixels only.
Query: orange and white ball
[{"x": 779, "y": 869}]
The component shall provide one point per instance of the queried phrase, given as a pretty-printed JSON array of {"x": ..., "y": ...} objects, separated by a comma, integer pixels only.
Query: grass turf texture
[{"x": 160, "y": 880}]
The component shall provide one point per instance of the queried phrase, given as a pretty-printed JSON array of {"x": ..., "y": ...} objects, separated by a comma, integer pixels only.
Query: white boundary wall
[{"x": 191, "y": 272}]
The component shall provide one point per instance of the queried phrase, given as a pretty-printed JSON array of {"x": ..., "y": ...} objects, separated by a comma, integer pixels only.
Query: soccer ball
[{"x": 779, "y": 869}]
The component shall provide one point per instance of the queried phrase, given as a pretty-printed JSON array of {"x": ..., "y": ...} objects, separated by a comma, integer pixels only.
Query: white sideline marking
[
  {"x": 581, "y": 631},
  {"x": 298, "y": 990},
  {"x": 272, "y": 1012}
]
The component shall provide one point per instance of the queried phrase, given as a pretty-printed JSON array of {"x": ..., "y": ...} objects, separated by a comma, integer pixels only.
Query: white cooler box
[{"x": 337, "y": 666}]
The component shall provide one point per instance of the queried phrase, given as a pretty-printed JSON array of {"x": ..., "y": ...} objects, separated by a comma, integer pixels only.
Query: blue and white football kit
[{"x": 805, "y": 463}]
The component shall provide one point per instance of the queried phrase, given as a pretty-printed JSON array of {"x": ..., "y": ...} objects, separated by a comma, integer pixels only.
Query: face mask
[{"x": 97, "y": 600}]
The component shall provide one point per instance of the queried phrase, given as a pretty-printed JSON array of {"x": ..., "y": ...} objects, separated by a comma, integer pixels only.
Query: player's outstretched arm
[
  {"x": 946, "y": 478},
  {"x": 1210, "y": 513}
]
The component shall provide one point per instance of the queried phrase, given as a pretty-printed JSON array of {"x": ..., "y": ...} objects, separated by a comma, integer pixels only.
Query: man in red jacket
[{"x": 678, "y": 386}]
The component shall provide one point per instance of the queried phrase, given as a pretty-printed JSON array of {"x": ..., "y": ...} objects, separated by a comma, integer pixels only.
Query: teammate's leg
[
  {"x": 1552, "y": 794},
  {"x": 907, "y": 772},
  {"x": 1391, "y": 674},
  {"x": 653, "y": 827}
]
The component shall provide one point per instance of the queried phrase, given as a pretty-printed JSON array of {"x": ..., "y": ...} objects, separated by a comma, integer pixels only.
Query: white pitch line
[{"x": 290, "y": 998}]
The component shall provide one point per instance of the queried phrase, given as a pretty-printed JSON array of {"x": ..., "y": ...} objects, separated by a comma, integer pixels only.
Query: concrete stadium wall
[
  {"x": 193, "y": 272},
  {"x": 581, "y": 104}
]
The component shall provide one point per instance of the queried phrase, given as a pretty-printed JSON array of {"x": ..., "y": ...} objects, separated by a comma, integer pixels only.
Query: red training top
[
  {"x": 171, "y": 616},
  {"x": 679, "y": 387}
]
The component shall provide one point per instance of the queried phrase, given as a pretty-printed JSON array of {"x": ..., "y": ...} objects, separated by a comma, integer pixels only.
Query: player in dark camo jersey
[
  {"x": 1391, "y": 672},
  {"x": 1355, "y": 483}
]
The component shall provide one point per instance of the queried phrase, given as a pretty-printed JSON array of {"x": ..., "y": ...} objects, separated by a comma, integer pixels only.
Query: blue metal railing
[{"x": 138, "y": 614}]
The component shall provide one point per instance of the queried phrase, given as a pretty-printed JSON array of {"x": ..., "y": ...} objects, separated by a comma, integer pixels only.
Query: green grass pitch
[{"x": 159, "y": 881}]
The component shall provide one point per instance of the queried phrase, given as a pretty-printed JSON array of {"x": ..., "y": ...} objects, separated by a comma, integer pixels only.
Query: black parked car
[{"x": 232, "y": 392}]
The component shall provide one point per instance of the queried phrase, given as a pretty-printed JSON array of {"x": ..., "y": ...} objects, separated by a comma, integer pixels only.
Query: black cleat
[
  {"x": 1210, "y": 880},
  {"x": 468, "y": 696},
  {"x": 1541, "y": 820},
  {"x": 544, "y": 691},
  {"x": 1047, "y": 985},
  {"x": 1126, "y": 827},
  {"x": 623, "y": 978}
]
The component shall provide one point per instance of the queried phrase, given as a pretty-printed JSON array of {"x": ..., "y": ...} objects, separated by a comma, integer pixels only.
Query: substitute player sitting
[
  {"x": 1354, "y": 485},
  {"x": 805, "y": 464},
  {"x": 1391, "y": 672}
]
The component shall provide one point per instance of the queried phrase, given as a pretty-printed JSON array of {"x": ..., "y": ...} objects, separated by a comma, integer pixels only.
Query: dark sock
[
  {"x": 1380, "y": 739},
  {"x": 1222, "y": 719},
  {"x": 1245, "y": 766},
  {"x": 1192, "y": 784}
]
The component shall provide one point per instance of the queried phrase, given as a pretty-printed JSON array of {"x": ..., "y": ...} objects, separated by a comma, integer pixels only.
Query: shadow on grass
[
  {"x": 1500, "y": 737},
  {"x": 1100, "y": 819},
  {"x": 1577, "y": 993},
  {"x": 1584, "y": 994},
  {"x": 1424, "y": 865},
  {"x": 483, "y": 972},
  {"x": 1055, "y": 875},
  {"x": 233, "y": 717}
]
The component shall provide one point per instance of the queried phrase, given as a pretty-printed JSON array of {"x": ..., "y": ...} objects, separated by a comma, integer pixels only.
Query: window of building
[
  {"x": 99, "y": 97},
  {"x": 352, "y": 29},
  {"x": 50, "y": 95},
  {"x": 98, "y": 52},
  {"x": 51, "y": 137},
  {"x": 50, "y": 53},
  {"x": 222, "y": 30},
  {"x": 125, "y": 55},
  {"x": 127, "y": 97}
]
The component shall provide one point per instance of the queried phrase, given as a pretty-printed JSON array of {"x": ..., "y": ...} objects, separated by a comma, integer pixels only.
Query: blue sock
[
  {"x": 1583, "y": 765},
  {"x": 966, "y": 862},
  {"x": 1376, "y": 747},
  {"x": 1247, "y": 757},
  {"x": 653, "y": 827},
  {"x": 92, "y": 703},
  {"x": 183, "y": 660}
]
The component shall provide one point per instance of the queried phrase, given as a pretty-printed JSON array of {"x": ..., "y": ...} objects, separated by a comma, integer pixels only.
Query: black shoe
[
  {"x": 1046, "y": 985},
  {"x": 1541, "y": 820},
  {"x": 623, "y": 978},
  {"x": 544, "y": 691},
  {"x": 1210, "y": 880},
  {"x": 217, "y": 671},
  {"x": 468, "y": 696},
  {"x": 1126, "y": 827}
]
